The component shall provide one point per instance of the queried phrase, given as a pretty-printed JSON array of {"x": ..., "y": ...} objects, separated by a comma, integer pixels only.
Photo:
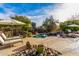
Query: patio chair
[
  {"x": 8, "y": 43},
  {"x": 11, "y": 38}
]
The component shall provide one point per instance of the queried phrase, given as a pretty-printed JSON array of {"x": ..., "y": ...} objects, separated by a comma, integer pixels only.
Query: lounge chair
[
  {"x": 11, "y": 38},
  {"x": 5, "y": 42},
  {"x": 8, "y": 43}
]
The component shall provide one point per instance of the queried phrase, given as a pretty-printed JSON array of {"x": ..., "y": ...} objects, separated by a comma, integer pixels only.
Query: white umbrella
[
  {"x": 73, "y": 25},
  {"x": 11, "y": 22}
]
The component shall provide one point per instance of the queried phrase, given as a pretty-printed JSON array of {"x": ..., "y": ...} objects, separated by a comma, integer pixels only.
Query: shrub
[
  {"x": 29, "y": 34},
  {"x": 23, "y": 33},
  {"x": 28, "y": 45},
  {"x": 40, "y": 45},
  {"x": 35, "y": 46},
  {"x": 39, "y": 50}
]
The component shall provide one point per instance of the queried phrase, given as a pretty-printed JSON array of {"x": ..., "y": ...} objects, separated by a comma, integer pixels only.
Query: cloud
[
  {"x": 7, "y": 12},
  {"x": 41, "y": 14},
  {"x": 65, "y": 11},
  {"x": 37, "y": 15},
  {"x": 6, "y": 16},
  {"x": 38, "y": 19},
  {"x": 60, "y": 12}
]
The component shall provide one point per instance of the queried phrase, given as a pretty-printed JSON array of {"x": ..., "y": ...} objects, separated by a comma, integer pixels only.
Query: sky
[{"x": 38, "y": 12}]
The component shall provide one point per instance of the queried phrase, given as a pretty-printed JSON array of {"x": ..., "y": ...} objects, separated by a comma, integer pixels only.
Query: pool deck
[{"x": 67, "y": 46}]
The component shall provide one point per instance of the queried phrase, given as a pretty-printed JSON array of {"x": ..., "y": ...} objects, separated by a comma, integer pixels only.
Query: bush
[
  {"x": 40, "y": 45},
  {"x": 28, "y": 45},
  {"x": 39, "y": 50},
  {"x": 29, "y": 34},
  {"x": 23, "y": 33},
  {"x": 35, "y": 46}
]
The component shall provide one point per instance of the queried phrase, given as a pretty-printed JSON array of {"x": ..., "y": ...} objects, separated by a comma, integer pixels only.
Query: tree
[
  {"x": 25, "y": 20},
  {"x": 41, "y": 29},
  {"x": 49, "y": 24},
  {"x": 64, "y": 25},
  {"x": 33, "y": 25},
  {"x": 33, "y": 29}
]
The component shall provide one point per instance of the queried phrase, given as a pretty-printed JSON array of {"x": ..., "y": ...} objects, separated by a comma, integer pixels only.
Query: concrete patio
[{"x": 67, "y": 46}]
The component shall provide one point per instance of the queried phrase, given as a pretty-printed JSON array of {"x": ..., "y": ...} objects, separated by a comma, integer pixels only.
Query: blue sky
[
  {"x": 24, "y": 8},
  {"x": 20, "y": 8},
  {"x": 38, "y": 12},
  {"x": 35, "y": 11}
]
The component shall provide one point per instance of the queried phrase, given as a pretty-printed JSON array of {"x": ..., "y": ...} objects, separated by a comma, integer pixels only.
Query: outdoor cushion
[
  {"x": 12, "y": 38},
  {"x": 7, "y": 41},
  {"x": 1, "y": 40},
  {"x": 12, "y": 41},
  {"x": 5, "y": 38}
]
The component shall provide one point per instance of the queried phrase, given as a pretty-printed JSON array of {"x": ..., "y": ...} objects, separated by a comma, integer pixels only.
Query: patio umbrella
[
  {"x": 73, "y": 25},
  {"x": 11, "y": 22}
]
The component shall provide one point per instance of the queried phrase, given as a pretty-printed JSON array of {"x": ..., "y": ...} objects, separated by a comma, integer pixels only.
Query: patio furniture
[
  {"x": 8, "y": 43},
  {"x": 11, "y": 38}
]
